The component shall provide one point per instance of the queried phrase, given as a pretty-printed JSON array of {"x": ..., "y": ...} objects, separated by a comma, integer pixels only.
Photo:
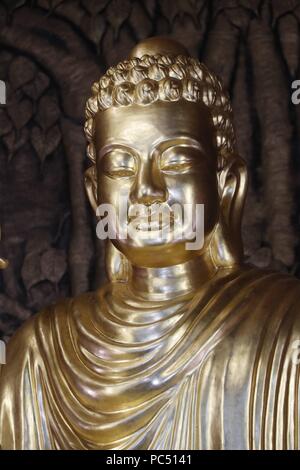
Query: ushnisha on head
[{"x": 165, "y": 76}]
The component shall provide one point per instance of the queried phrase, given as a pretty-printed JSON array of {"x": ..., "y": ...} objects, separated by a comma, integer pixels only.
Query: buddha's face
[{"x": 161, "y": 153}]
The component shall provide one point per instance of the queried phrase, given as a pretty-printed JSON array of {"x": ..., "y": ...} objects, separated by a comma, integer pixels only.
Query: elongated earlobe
[
  {"x": 90, "y": 183},
  {"x": 226, "y": 247}
]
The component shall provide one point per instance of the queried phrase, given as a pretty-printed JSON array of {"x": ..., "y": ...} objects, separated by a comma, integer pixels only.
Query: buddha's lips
[{"x": 155, "y": 221}]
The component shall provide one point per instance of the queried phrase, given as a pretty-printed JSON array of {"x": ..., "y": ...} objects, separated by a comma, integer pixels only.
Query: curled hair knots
[
  {"x": 170, "y": 89},
  {"x": 91, "y": 152},
  {"x": 208, "y": 95},
  {"x": 146, "y": 91},
  {"x": 105, "y": 98},
  {"x": 218, "y": 118},
  {"x": 167, "y": 78},
  {"x": 104, "y": 81},
  {"x": 91, "y": 107},
  {"x": 164, "y": 60},
  {"x": 183, "y": 60},
  {"x": 177, "y": 71},
  {"x": 147, "y": 60},
  {"x": 197, "y": 72},
  {"x": 120, "y": 76},
  {"x": 89, "y": 129},
  {"x": 95, "y": 88},
  {"x": 123, "y": 94},
  {"x": 123, "y": 66},
  {"x": 192, "y": 90},
  {"x": 134, "y": 62},
  {"x": 137, "y": 74},
  {"x": 157, "y": 72},
  {"x": 222, "y": 100},
  {"x": 111, "y": 71}
]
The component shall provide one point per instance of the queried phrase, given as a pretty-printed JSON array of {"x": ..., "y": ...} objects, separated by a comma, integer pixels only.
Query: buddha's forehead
[{"x": 140, "y": 126}]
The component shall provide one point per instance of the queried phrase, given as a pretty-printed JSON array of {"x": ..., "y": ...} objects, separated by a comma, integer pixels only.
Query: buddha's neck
[{"x": 171, "y": 281}]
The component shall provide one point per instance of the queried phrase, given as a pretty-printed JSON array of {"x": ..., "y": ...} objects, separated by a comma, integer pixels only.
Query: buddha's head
[{"x": 159, "y": 127}]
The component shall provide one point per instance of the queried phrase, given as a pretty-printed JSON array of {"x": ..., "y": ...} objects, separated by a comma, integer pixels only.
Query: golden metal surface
[{"x": 180, "y": 349}]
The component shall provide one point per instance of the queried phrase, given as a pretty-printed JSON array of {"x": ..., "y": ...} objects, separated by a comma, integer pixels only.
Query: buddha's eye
[
  {"x": 120, "y": 172},
  {"x": 176, "y": 161},
  {"x": 176, "y": 166},
  {"x": 118, "y": 164}
]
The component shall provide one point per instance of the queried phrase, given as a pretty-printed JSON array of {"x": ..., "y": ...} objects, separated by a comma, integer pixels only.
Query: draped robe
[{"x": 208, "y": 370}]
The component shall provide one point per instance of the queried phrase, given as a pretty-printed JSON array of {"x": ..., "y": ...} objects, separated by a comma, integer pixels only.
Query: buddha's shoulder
[
  {"x": 44, "y": 322},
  {"x": 262, "y": 309},
  {"x": 267, "y": 301},
  {"x": 250, "y": 278}
]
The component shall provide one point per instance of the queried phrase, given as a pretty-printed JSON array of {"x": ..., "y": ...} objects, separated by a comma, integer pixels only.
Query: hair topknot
[{"x": 144, "y": 80}]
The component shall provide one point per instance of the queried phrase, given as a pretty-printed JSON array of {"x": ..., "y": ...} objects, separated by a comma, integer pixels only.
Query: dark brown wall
[{"x": 52, "y": 51}]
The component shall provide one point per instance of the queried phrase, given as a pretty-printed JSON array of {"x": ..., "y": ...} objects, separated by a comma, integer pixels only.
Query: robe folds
[{"x": 107, "y": 370}]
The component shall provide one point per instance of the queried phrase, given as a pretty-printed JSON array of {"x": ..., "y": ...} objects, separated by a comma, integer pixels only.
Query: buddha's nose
[{"x": 148, "y": 188}]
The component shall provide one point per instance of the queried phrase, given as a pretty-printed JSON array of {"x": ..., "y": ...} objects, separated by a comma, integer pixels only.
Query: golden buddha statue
[{"x": 180, "y": 349}]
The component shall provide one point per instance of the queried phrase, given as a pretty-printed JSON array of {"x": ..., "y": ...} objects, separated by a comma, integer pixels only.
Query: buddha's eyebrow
[
  {"x": 106, "y": 149},
  {"x": 179, "y": 141}
]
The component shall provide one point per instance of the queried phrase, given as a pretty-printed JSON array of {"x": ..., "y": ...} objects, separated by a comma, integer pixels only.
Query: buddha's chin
[{"x": 158, "y": 253}]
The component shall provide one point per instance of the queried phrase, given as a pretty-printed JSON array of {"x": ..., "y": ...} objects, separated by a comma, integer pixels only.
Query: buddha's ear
[
  {"x": 226, "y": 244},
  {"x": 90, "y": 183}
]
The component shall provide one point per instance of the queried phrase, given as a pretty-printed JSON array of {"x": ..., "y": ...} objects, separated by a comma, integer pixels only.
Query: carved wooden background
[{"x": 52, "y": 51}]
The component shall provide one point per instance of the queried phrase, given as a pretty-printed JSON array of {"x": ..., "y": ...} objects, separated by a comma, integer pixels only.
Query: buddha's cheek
[
  {"x": 115, "y": 195},
  {"x": 197, "y": 190},
  {"x": 113, "y": 191},
  {"x": 211, "y": 205}
]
